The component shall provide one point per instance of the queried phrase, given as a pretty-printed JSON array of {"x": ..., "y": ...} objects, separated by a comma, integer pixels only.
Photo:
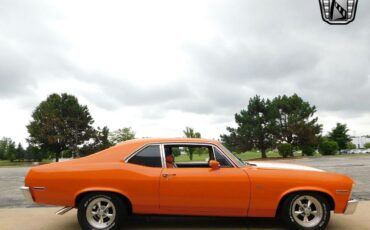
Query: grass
[
  {"x": 196, "y": 157},
  {"x": 6, "y": 163},
  {"x": 249, "y": 155}
]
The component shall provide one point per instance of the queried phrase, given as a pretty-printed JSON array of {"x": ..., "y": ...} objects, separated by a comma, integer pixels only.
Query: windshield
[{"x": 234, "y": 157}]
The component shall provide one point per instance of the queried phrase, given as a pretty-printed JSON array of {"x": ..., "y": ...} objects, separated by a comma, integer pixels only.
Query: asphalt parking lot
[
  {"x": 16, "y": 213},
  {"x": 357, "y": 167}
]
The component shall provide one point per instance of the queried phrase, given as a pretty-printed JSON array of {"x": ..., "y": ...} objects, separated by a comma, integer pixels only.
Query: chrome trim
[
  {"x": 163, "y": 156},
  {"x": 64, "y": 210},
  {"x": 227, "y": 153},
  {"x": 178, "y": 143},
  {"x": 168, "y": 174},
  {"x": 214, "y": 155},
  {"x": 206, "y": 144},
  {"x": 143, "y": 147},
  {"x": 351, "y": 207},
  {"x": 26, "y": 193},
  {"x": 134, "y": 152}
]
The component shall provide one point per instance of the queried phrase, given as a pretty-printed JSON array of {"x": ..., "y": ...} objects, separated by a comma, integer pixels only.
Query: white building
[{"x": 360, "y": 141}]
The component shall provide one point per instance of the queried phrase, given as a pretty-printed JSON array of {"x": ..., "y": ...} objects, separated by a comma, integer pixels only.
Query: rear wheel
[
  {"x": 306, "y": 211},
  {"x": 103, "y": 211}
]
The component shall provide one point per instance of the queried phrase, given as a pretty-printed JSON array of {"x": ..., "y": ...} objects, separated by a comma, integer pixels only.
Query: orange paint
[{"x": 238, "y": 191}]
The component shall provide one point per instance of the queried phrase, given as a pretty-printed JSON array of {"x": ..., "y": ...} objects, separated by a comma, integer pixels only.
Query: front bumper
[
  {"x": 26, "y": 193},
  {"x": 351, "y": 207}
]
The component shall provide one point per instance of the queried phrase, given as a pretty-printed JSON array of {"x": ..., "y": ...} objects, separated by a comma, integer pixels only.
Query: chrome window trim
[
  {"x": 227, "y": 157},
  {"x": 232, "y": 160},
  {"x": 142, "y": 148},
  {"x": 206, "y": 144},
  {"x": 163, "y": 159},
  {"x": 222, "y": 153}
]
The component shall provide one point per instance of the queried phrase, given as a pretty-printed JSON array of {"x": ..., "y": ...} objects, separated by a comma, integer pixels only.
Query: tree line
[
  {"x": 61, "y": 126},
  {"x": 286, "y": 123},
  {"x": 12, "y": 152}
]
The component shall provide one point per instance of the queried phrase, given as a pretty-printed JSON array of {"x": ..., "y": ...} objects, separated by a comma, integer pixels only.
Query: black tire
[
  {"x": 88, "y": 201},
  {"x": 293, "y": 221}
]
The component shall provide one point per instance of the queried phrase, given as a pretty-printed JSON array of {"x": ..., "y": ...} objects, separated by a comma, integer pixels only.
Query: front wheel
[
  {"x": 102, "y": 211},
  {"x": 306, "y": 211}
]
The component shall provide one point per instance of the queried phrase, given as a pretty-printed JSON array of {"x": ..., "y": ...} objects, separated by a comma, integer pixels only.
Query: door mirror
[{"x": 214, "y": 164}]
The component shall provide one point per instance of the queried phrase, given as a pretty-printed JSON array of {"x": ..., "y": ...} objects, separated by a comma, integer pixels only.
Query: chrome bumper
[
  {"x": 351, "y": 207},
  {"x": 26, "y": 193}
]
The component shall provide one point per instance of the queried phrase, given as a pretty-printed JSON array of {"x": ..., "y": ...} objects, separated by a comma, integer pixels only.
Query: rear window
[{"x": 149, "y": 156}]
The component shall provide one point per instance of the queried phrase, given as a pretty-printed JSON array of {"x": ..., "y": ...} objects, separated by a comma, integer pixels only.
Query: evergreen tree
[{"x": 340, "y": 135}]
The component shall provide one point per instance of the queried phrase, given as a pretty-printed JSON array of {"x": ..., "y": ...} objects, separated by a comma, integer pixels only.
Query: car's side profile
[{"x": 187, "y": 177}]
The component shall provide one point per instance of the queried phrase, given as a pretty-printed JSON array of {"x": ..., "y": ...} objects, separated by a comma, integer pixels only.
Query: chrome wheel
[
  {"x": 307, "y": 211},
  {"x": 100, "y": 213}
]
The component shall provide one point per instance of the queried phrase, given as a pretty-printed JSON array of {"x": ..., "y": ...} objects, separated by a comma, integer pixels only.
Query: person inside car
[{"x": 170, "y": 159}]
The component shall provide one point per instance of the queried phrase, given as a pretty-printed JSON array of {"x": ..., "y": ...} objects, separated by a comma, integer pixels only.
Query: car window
[
  {"x": 220, "y": 157},
  {"x": 149, "y": 156},
  {"x": 235, "y": 158},
  {"x": 191, "y": 153}
]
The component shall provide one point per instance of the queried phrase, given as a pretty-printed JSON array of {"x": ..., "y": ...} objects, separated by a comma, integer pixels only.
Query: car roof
[{"x": 144, "y": 141}]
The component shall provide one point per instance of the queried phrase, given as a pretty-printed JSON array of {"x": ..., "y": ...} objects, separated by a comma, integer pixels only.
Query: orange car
[{"x": 187, "y": 177}]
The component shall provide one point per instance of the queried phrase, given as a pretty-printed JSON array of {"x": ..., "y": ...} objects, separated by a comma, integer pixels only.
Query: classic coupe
[{"x": 181, "y": 176}]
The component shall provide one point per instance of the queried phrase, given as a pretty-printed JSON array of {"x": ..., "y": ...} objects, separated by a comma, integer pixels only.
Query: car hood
[{"x": 274, "y": 165}]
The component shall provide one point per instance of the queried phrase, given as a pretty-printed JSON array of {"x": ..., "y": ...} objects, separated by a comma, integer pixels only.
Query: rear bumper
[
  {"x": 351, "y": 207},
  {"x": 26, "y": 193}
]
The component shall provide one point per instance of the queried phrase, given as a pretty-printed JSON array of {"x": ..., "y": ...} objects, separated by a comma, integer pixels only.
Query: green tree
[
  {"x": 308, "y": 151},
  {"x": 255, "y": 127},
  {"x": 11, "y": 151},
  {"x": 28, "y": 154},
  {"x": 20, "y": 152},
  {"x": 190, "y": 133},
  {"x": 296, "y": 123},
  {"x": 285, "y": 150},
  {"x": 120, "y": 135},
  {"x": 34, "y": 153},
  {"x": 100, "y": 141},
  {"x": 328, "y": 147},
  {"x": 366, "y": 145},
  {"x": 5, "y": 144},
  {"x": 3, "y": 148},
  {"x": 60, "y": 123},
  {"x": 350, "y": 145},
  {"x": 232, "y": 141},
  {"x": 340, "y": 135}
]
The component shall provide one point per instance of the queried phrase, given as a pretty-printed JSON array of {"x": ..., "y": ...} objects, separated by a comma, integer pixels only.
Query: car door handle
[{"x": 168, "y": 174}]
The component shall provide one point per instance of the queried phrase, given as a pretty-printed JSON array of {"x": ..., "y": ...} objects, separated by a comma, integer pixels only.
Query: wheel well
[
  {"x": 125, "y": 200},
  {"x": 325, "y": 195}
]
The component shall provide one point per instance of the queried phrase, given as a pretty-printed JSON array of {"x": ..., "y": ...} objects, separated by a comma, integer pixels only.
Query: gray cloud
[
  {"x": 263, "y": 47},
  {"x": 29, "y": 50},
  {"x": 288, "y": 49}
]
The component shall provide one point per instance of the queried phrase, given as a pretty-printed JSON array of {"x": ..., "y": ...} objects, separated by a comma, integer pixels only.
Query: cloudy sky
[{"x": 159, "y": 66}]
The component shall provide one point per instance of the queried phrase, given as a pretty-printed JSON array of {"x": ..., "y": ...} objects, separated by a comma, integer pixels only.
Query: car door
[
  {"x": 141, "y": 179},
  {"x": 199, "y": 190}
]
